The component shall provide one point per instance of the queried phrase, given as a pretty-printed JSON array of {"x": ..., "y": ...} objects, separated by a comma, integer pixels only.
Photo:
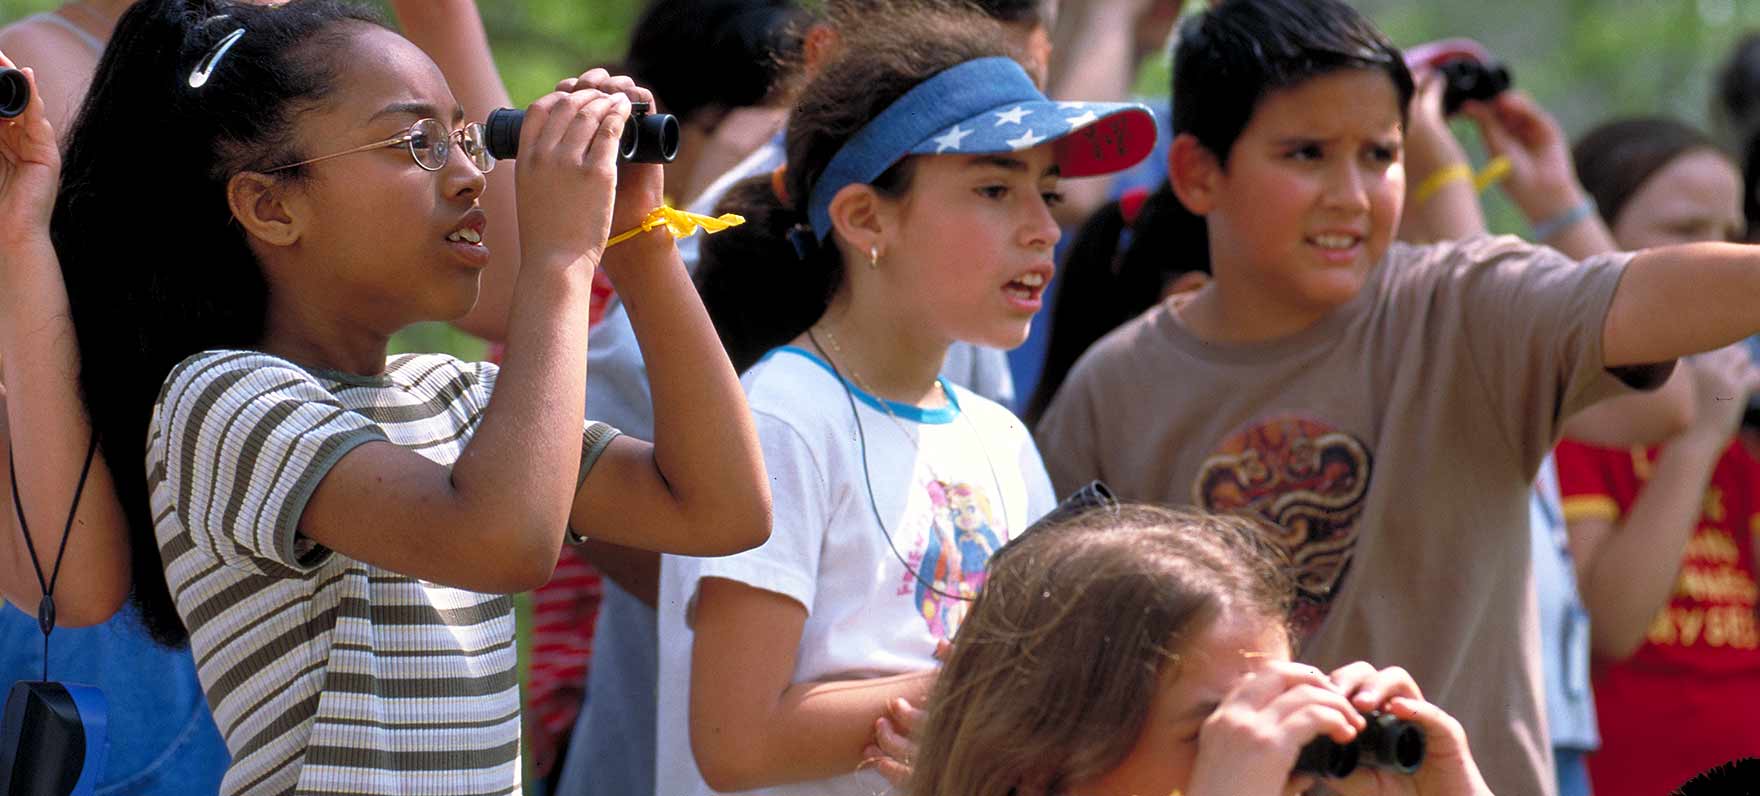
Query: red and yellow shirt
[{"x": 1683, "y": 702}]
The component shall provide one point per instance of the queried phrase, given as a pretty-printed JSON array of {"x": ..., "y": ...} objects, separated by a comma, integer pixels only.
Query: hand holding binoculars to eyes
[
  {"x": 1262, "y": 737},
  {"x": 30, "y": 170},
  {"x": 567, "y": 176},
  {"x": 641, "y": 185},
  {"x": 1249, "y": 744},
  {"x": 1542, "y": 179},
  {"x": 1447, "y": 764}
]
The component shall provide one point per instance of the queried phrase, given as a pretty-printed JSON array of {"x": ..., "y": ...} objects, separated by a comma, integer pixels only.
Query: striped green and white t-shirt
[{"x": 325, "y": 674}]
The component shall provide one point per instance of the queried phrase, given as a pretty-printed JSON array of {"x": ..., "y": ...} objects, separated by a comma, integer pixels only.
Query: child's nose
[
  {"x": 1347, "y": 187},
  {"x": 462, "y": 177},
  {"x": 1042, "y": 231}
]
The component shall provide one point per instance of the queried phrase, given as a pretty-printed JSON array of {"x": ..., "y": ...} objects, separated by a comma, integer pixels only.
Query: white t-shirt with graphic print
[{"x": 966, "y": 479}]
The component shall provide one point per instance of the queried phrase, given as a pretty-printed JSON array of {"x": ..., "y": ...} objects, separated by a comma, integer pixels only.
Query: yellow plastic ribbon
[
  {"x": 680, "y": 223},
  {"x": 1441, "y": 178},
  {"x": 1494, "y": 172}
]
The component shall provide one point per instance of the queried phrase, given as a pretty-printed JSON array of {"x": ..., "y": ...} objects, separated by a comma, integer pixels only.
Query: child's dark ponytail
[
  {"x": 156, "y": 269},
  {"x": 767, "y": 281},
  {"x": 755, "y": 311},
  {"x": 1119, "y": 264}
]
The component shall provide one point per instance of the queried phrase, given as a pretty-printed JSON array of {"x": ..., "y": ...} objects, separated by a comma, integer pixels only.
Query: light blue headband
[{"x": 955, "y": 95}]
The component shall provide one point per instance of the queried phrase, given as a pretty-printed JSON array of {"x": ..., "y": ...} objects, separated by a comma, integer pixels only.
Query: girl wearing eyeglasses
[{"x": 252, "y": 202}]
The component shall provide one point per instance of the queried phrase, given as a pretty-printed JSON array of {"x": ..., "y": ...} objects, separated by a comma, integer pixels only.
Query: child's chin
[
  {"x": 1335, "y": 289},
  {"x": 454, "y": 306},
  {"x": 1004, "y": 339}
]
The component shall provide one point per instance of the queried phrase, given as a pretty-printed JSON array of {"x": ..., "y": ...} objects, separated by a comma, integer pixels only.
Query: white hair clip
[{"x": 198, "y": 77}]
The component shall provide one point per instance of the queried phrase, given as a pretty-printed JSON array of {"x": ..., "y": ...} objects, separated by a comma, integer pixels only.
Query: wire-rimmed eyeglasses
[{"x": 430, "y": 144}]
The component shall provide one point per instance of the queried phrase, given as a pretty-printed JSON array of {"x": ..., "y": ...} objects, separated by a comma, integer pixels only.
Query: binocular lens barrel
[
  {"x": 1470, "y": 80},
  {"x": 647, "y": 137},
  {"x": 1386, "y": 742},
  {"x": 15, "y": 93}
]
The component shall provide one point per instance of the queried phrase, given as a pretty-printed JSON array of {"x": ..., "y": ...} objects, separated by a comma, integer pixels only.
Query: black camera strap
[{"x": 46, "y": 608}]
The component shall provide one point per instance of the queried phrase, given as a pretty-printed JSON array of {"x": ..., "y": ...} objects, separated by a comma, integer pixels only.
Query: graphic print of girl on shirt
[{"x": 960, "y": 543}]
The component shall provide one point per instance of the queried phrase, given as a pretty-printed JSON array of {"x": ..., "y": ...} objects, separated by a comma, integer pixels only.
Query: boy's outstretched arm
[
  {"x": 1681, "y": 300},
  {"x": 1543, "y": 182}
]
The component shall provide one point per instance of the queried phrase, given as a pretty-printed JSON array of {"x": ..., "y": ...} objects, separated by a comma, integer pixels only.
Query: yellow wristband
[
  {"x": 680, "y": 223},
  {"x": 1493, "y": 173},
  {"x": 1439, "y": 180}
]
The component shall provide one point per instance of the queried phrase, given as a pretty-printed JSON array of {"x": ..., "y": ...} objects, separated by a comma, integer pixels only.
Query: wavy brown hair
[{"x": 1051, "y": 677}]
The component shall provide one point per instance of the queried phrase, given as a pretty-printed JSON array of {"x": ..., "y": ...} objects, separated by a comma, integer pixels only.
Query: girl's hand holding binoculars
[
  {"x": 1250, "y": 743},
  {"x": 567, "y": 176},
  {"x": 641, "y": 187},
  {"x": 30, "y": 170},
  {"x": 1448, "y": 768}
]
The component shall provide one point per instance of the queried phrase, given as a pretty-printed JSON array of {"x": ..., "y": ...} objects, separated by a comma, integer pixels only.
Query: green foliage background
[{"x": 1585, "y": 60}]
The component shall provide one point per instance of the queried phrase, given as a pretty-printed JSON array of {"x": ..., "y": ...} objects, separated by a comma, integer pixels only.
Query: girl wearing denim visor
[{"x": 914, "y": 211}]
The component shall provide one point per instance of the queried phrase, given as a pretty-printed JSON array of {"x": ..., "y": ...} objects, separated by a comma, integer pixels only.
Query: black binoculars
[
  {"x": 1386, "y": 742},
  {"x": 647, "y": 137},
  {"x": 15, "y": 93},
  {"x": 1469, "y": 79}
]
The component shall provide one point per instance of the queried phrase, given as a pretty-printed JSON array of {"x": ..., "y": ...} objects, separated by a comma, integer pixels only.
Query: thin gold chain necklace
[{"x": 885, "y": 405}]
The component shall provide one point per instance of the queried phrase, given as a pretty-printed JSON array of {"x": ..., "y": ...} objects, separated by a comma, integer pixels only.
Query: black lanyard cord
[{"x": 46, "y": 609}]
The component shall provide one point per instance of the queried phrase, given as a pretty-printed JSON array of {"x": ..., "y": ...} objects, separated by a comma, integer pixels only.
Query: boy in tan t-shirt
[{"x": 1385, "y": 405}]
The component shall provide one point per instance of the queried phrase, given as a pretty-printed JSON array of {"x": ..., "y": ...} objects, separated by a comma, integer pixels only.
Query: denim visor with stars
[{"x": 981, "y": 107}]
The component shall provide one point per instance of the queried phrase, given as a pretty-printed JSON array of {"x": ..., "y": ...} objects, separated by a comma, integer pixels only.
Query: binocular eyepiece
[
  {"x": 647, "y": 137},
  {"x": 15, "y": 93},
  {"x": 1386, "y": 742},
  {"x": 1469, "y": 79}
]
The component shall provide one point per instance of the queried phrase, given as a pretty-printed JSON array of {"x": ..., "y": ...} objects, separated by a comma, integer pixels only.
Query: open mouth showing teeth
[
  {"x": 466, "y": 235},
  {"x": 1026, "y": 287},
  {"x": 1334, "y": 241}
]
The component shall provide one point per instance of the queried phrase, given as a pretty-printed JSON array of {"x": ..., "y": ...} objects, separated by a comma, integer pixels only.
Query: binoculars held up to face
[
  {"x": 15, "y": 93},
  {"x": 1386, "y": 742},
  {"x": 647, "y": 137},
  {"x": 1469, "y": 80}
]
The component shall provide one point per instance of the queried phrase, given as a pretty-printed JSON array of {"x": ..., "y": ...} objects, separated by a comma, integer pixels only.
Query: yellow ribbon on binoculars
[{"x": 680, "y": 223}]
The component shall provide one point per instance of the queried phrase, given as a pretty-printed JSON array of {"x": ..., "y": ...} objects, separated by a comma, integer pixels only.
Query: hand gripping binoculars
[
  {"x": 1468, "y": 80},
  {"x": 647, "y": 137},
  {"x": 15, "y": 93},
  {"x": 1469, "y": 71},
  {"x": 1386, "y": 742}
]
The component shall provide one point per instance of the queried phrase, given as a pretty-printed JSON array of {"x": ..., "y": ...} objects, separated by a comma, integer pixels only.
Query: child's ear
[
  {"x": 818, "y": 45},
  {"x": 861, "y": 218},
  {"x": 1194, "y": 172},
  {"x": 262, "y": 205}
]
